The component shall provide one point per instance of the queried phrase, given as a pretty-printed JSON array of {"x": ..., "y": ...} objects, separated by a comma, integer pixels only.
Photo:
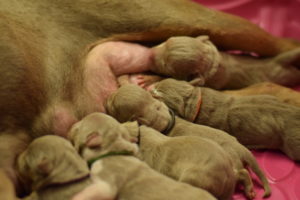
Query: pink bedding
[{"x": 282, "y": 18}]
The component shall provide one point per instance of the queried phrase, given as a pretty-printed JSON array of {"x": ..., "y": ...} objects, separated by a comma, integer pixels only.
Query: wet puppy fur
[
  {"x": 125, "y": 105},
  {"x": 99, "y": 136}
]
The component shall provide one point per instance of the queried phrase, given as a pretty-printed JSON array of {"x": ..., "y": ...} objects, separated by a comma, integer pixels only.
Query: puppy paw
[{"x": 250, "y": 194}]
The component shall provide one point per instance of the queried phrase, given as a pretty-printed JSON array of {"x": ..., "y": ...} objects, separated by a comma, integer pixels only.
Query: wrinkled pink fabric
[{"x": 281, "y": 18}]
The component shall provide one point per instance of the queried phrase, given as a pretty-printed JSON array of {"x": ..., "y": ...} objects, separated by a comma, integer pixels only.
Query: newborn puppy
[
  {"x": 180, "y": 57},
  {"x": 259, "y": 121},
  {"x": 53, "y": 169},
  {"x": 194, "y": 160},
  {"x": 282, "y": 93},
  {"x": 126, "y": 103},
  {"x": 108, "y": 148},
  {"x": 186, "y": 58}
]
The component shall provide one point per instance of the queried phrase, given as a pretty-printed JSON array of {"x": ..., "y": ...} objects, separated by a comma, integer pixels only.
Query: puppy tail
[{"x": 252, "y": 163}]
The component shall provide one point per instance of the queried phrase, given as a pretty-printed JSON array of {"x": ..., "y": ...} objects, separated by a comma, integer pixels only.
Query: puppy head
[
  {"x": 192, "y": 57},
  {"x": 130, "y": 103},
  {"x": 50, "y": 160},
  {"x": 98, "y": 134},
  {"x": 180, "y": 96}
]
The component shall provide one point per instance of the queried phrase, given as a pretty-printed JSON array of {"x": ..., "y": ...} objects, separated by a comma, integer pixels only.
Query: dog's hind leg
[{"x": 245, "y": 178}]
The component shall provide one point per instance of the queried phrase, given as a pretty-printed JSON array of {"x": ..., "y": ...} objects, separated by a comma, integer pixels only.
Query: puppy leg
[{"x": 245, "y": 179}]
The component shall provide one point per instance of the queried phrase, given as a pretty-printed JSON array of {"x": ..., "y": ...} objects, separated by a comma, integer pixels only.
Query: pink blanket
[{"x": 281, "y": 18}]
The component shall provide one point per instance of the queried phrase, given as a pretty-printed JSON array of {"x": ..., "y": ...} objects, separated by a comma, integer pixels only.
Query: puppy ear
[
  {"x": 133, "y": 129},
  {"x": 193, "y": 104},
  {"x": 197, "y": 81},
  {"x": 119, "y": 142},
  {"x": 108, "y": 105},
  {"x": 93, "y": 140},
  {"x": 23, "y": 168},
  {"x": 44, "y": 167}
]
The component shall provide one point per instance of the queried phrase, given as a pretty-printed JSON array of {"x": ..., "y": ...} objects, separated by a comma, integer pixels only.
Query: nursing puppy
[
  {"x": 259, "y": 121},
  {"x": 186, "y": 58},
  {"x": 282, "y": 93},
  {"x": 108, "y": 148},
  {"x": 53, "y": 169},
  {"x": 197, "y": 161},
  {"x": 179, "y": 57},
  {"x": 131, "y": 102}
]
